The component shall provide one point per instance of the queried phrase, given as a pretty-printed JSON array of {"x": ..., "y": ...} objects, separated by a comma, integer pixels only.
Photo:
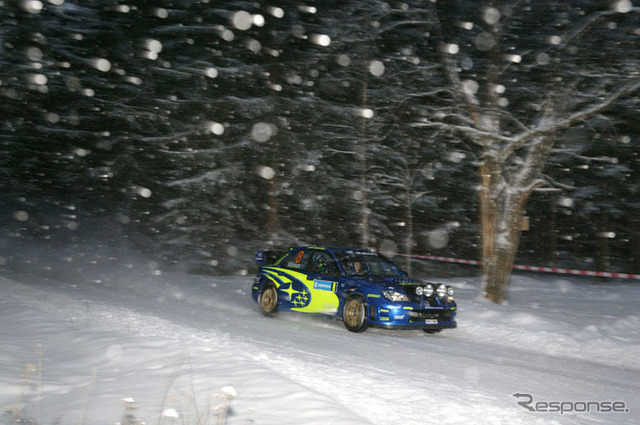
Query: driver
[{"x": 355, "y": 268}]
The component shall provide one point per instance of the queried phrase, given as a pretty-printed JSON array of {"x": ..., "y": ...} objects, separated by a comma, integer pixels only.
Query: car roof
[{"x": 336, "y": 249}]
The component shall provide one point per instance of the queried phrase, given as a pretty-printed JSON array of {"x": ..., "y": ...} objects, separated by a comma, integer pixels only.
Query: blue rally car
[{"x": 361, "y": 286}]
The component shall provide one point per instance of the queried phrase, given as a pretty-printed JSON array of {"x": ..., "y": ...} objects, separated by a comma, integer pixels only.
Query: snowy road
[{"x": 171, "y": 342}]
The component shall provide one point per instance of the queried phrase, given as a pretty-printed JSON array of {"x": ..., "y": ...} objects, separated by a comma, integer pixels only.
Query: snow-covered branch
[
  {"x": 550, "y": 126},
  {"x": 478, "y": 136},
  {"x": 395, "y": 25},
  {"x": 589, "y": 21},
  {"x": 589, "y": 159}
]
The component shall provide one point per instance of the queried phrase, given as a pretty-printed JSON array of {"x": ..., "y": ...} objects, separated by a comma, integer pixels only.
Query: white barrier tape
[{"x": 531, "y": 268}]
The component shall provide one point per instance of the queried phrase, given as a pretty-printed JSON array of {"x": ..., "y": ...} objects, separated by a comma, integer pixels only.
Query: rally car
[{"x": 360, "y": 286}]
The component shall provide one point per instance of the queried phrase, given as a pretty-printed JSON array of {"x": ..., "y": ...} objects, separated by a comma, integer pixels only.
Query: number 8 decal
[{"x": 299, "y": 257}]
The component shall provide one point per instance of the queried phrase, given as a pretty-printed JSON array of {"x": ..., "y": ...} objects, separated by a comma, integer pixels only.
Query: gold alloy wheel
[
  {"x": 354, "y": 315},
  {"x": 269, "y": 300}
]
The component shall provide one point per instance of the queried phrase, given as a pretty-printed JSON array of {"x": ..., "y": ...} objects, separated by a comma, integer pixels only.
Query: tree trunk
[
  {"x": 633, "y": 263},
  {"x": 501, "y": 211},
  {"x": 362, "y": 153},
  {"x": 273, "y": 213},
  {"x": 552, "y": 255},
  {"x": 273, "y": 217},
  {"x": 408, "y": 242},
  {"x": 602, "y": 244}
]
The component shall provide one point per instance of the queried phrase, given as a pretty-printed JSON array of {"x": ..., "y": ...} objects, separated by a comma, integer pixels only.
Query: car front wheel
[
  {"x": 268, "y": 300},
  {"x": 354, "y": 314}
]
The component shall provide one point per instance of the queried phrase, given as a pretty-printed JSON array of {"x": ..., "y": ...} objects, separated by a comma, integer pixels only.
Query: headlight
[
  {"x": 450, "y": 291},
  {"x": 428, "y": 290},
  {"x": 441, "y": 291},
  {"x": 395, "y": 296},
  {"x": 419, "y": 290}
]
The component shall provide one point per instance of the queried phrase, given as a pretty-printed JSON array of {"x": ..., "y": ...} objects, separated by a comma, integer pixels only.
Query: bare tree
[{"x": 569, "y": 81}]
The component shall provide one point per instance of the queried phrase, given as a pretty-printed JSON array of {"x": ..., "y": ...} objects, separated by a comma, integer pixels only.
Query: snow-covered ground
[{"x": 117, "y": 337}]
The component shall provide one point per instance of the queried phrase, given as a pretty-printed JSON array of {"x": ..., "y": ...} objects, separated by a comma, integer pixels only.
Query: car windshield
[{"x": 356, "y": 264}]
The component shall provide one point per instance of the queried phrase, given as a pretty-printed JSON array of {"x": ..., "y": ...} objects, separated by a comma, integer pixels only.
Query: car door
[
  {"x": 323, "y": 279},
  {"x": 304, "y": 284}
]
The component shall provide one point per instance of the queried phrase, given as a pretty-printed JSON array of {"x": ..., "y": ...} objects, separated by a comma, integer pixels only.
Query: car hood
[{"x": 388, "y": 282}]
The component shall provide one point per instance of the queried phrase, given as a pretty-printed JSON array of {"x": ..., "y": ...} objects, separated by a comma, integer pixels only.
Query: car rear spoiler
[{"x": 269, "y": 257}]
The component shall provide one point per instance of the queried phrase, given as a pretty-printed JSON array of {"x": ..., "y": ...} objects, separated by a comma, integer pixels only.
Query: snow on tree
[
  {"x": 520, "y": 72},
  {"x": 215, "y": 127}
]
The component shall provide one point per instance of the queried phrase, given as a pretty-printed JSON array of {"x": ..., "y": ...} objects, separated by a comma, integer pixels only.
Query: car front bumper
[{"x": 412, "y": 316}]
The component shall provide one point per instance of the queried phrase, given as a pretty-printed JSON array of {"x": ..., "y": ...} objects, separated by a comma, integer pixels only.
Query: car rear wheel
[
  {"x": 268, "y": 300},
  {"x": 354, "y": 314}
]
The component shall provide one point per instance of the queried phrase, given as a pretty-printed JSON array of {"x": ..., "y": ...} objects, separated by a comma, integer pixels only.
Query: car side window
[
  {"x": 323, "y": 263},
  {"x": 298, "y": 260}
]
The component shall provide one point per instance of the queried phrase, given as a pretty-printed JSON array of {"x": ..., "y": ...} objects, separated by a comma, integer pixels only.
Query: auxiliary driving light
[
  {"x": 428, "y": 290},
  {"x": 441, "y": 291}
]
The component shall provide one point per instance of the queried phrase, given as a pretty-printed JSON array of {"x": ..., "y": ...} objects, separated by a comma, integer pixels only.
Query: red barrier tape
[{"x": 531, "y": 268}]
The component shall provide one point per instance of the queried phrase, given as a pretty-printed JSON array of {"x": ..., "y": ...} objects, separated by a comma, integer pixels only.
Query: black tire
[
  {"x": 432, "y": 331},
  {"x": 354, "y": 314},
  {"x": 268, "y": 300}
]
